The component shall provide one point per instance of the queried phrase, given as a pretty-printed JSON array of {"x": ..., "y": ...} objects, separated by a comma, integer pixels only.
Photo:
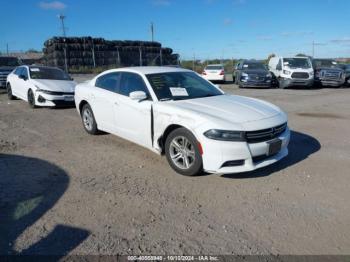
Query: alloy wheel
[{"x": 182, "y": 152}]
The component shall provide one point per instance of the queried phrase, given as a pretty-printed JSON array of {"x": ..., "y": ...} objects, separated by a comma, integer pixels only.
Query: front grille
[
  {"x": 265, "y": 134},
  {"x": 301, "y": 75},
  {"x": 256, "y": 78},
  {"x": 58, "y": 93},
  {"x": 334, "y": 75}
]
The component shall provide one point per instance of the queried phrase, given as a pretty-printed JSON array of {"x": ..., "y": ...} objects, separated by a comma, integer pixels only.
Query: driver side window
[{"x": 131, "y": 82}]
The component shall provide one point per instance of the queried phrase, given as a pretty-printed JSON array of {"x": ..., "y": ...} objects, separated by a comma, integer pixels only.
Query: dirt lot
[{"x": 64, "y": 191}]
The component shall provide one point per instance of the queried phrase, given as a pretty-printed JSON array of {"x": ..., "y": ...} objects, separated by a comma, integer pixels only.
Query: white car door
[
  {"x": 133, "y": 118},
  {"x": 102, "y": 100},
  {"x": 24, "y": 83},
  {"x": 16, "y": 82}
]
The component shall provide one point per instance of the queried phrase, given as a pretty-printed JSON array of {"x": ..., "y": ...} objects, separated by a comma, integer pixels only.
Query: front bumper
[
  {"x": 2, "y": 84},
  {"x": 330, "y": 82},
  {"x": 287, "y": 82},
  {"x": 254, "y": 155},
  {"x": 255, "y": 83},
  {"x": 47, "y": 100}
]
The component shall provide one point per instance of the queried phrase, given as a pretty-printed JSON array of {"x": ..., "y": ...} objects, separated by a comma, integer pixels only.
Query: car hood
[
  {"x": 330, "y": 69},
  {"x": 6, "y": 68},
  {"x": 55, "y": 85},
  {"x": 228, "y": 108},
  {"x": 256, "y": 71}
]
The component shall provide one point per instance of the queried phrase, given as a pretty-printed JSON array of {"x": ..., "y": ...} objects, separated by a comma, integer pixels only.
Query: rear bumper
[
  {"x": 214, "y": 77},
  {"x": 287, "y": 82}
]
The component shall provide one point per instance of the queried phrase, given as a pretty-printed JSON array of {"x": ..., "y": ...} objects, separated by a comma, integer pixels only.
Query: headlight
[
  {"x": 268, "y": 75},
  {"x": 286, "y": 72},
  {"x": 245, "y": 74},
  {"x": 311, "y": 73},
  {"x": 225, "y": 135}
]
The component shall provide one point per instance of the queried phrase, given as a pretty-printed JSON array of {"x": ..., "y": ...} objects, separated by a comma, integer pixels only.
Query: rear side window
[
  {"x": 109, "y": 82},
  {"x": 131, "y": 82}
]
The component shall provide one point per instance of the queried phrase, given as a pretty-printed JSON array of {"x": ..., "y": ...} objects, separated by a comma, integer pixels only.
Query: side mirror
[
  {"x": 22, "y": 77},
  {"x": 138, "y": 96}
]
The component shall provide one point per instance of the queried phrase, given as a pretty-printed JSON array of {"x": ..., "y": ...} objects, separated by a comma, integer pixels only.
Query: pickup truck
[
  {"x": 7, "y": 64},
  {"x": 328, "y": 73}
]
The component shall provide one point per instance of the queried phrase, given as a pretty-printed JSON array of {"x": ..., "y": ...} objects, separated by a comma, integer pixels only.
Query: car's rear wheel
[
  {"x": 183, "y": 153},
  {"x": 31, "y": 98},
  {"x": 9, "y": 92},
  {"x": 88, "y": 119}
]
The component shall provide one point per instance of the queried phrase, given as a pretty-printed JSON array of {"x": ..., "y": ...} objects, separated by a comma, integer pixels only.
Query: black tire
[
  {"x": 9, "y": 92},
  {"x": 88, "y": 119},
  {"x": 190, "y": 148},
  {"x": 31, "y": 98}
]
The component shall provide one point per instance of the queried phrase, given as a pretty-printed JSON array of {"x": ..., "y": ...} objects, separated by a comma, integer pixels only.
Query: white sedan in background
[
  {"x": 176, "y": 112},
  {"x": 214, "y": 73},
  {"x": 41, "y": 86}
]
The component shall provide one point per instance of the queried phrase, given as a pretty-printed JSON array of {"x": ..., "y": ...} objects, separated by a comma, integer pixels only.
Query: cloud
[
  {"x": 161, "y": 2},
  {"x": 297, "y": 33},
  {"x": 264, "y": 37},
  {"x": 227, "y": 21},
  {"x": 343, "y": 40},
  {"x": 54, "y": 5},
  {"x": 319, "y": 44}
]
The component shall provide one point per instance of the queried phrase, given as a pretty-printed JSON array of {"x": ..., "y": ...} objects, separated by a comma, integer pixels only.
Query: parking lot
[{"x": 63, "y": 190}]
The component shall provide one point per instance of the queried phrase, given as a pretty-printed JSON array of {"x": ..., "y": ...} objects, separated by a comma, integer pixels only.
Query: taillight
[{"x": 222, "y": 72}]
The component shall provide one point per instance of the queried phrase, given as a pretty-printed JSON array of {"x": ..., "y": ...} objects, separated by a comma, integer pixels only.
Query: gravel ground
[{"x": 64, "y": 191}]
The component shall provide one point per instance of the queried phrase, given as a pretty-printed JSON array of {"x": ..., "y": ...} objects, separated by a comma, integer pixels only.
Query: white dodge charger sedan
[
  {"x": 41, "y": 86},
  {"x": 176, "y": 112}
]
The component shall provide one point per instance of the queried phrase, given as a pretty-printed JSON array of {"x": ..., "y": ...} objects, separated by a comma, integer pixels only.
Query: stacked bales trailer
[{"x": 88, "y": 52}]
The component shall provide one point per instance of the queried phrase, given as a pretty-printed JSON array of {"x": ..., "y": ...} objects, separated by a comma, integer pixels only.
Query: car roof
[
  {"x": 41, "y": 66},
  {"x": 148, "y": 69}
]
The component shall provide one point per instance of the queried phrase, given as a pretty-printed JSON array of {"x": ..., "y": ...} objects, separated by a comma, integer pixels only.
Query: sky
[{"x": 204, "y": 29}]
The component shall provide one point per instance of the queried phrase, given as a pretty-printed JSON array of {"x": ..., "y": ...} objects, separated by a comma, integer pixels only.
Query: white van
[{"x": 292, "y": 71}]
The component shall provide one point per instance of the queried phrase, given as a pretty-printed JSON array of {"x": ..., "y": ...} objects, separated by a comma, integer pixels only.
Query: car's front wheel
[
  {"x": 183, "y": 152},
  {"x": 31, "y": 98},
  {"x": 88, "y": 119},
  {"x": 9, "y": 92}
]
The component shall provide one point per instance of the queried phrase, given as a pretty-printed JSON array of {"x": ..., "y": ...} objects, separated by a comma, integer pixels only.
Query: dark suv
[
  {"x": 328, "y": 73},
  {"x": 251, "y": 73},
  {"x": 7, "y": 64}
]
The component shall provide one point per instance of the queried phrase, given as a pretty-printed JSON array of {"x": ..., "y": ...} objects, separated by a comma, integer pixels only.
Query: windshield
[
  {"x": 180, "y": 85},
  {"x": 324, "y": 63},
  {"x": 212, "y": 67},
  {"x": 254, "y": 66},
  {"x": 48, "y": 73},
  {"x": 9, "y": 61},
  {"x": 297, "y": 62}
]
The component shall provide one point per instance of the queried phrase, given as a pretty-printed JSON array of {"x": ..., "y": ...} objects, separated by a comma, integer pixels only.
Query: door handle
[{"x": 116, "y": 103}]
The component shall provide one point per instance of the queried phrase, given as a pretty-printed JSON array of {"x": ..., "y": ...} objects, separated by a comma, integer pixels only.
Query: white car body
[
  {"x": 290, "y": 76},
  {"x": 146, "y": 122},
  {"x": 215, "y": 72},
  {"x": 47, "y": 92}
]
